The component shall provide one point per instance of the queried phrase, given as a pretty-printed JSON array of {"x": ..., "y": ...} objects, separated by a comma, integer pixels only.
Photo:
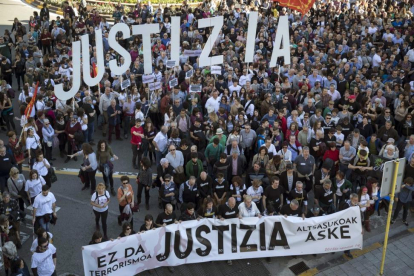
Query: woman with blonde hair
[
  {"x": 100, "y": 200},
  {"x": 16, "y": 185}
]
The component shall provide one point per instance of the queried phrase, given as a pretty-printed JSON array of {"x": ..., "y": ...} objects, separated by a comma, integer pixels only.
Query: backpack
[
  {"x": 97, "y": 196},
  {"x": 257, "y": 143}
]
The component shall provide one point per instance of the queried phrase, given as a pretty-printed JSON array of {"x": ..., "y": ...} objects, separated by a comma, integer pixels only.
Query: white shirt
[
  {"x": 34, "y": 187},
  {"x": 248, "y": 212},
  {"x": 364, "y": 201},
  {"x": 40, "y": 167},
  {"x": 44, "y": 261},
  {"x": 161, "y": 140},
  {"x": 32, "y": 142},
  {"x": 335, "y": 95},
  {"x": 43, "y": 204},
  {"x": 22, "y": 97},
  {"x": 35, "y": 244},
  {"x": 252, "y": 192},
  {"x": 376, "y": 60},
  {"x": 236, "y": 88},
  {"x": 100, "y": 200},
  {"x": 250, "y": 109},
  {"x": 287, "y": 156},
  {"x": 214, "y": 103},
  {"x": 272, "y": 149},
  {"x": 40, "y": 106}
]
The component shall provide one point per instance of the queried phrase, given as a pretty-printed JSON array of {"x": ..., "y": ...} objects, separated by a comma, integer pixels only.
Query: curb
[
  {"x": 39, "y": 5},
  {"x": 355, "y": 254}
]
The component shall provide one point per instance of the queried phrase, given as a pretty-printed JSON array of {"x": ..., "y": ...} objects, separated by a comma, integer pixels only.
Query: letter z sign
[{"x": 217, "y": 24}]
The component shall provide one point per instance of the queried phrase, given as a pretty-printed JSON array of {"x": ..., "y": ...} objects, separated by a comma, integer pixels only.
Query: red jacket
[
  {"x": 334, "y": 155},
  {"x": 136, "y": 140}
]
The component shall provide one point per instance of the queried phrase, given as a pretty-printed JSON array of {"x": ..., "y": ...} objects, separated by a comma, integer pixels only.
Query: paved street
[{"x": 76, "y": 220}]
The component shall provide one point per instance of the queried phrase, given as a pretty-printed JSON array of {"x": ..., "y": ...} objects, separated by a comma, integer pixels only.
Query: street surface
[{"x": 76, "y": 220}]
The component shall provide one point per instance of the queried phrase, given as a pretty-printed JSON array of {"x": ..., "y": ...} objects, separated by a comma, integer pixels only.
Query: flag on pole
[
  {"x": 29, "y": 107},
  {"x": 302, "y": 6},
  {"x": 94, "y": 70}
]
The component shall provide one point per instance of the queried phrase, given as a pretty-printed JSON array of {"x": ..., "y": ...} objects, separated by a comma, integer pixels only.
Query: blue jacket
[{"x": 405, "y": 194}]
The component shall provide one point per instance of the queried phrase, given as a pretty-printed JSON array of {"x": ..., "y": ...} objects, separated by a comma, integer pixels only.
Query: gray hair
[{"x": 294, "y": 202}]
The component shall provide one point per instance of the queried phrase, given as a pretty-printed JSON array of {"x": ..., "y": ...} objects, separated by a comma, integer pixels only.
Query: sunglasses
[
  {"x": 125, "y": 182},
  {"x": 44, "y": 247},
  {"x": 129, "y": 228}
]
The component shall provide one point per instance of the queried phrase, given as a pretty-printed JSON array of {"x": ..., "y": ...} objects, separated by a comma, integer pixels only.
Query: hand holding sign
[
  {"x": 148, "y": 78},
  {"x": 173, "y": 83},
  {"x": 189, "y": 74}
]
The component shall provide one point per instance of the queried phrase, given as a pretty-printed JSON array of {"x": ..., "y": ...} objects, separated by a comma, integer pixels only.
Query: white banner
[
  {"x": 192, "y": 53},
  {"x": 195, "y": 87},
  {"x": 189, "y": 74},
  {"x": 154, "y": 86},
  {"x": 173, "y": 82},
  {"x": 170, "y": 63},
  {"x": 216, "y": 70},
  {"x": 125, "y": 84},
  {"x": 213, "y": 240},
  {"x": 148, "y": 78}
]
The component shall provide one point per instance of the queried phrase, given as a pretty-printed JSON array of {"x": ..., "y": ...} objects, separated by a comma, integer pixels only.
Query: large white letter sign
[
  {"x": 175, "y": 39},
  {"x": 113, "y": 43},
  {"x": 86, "y": 59},
  {"x": 217, "y": 23},
  {"x": 251, "y": 37},
  {"x": 146, "y": 30},
  {"x": 76, "y": 78},
  {"x": 282, "y": 35}
]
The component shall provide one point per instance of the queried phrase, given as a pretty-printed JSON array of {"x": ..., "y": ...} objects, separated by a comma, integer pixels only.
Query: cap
[
  {"x": 219, "y": 131},
  {"x": 344, "y": 60},
  {"x": 210, "y": 109},
  {"x": 352, "y": 97},
  {"x": 390, "y": 140},
  {"x": 46, "y": 121}
]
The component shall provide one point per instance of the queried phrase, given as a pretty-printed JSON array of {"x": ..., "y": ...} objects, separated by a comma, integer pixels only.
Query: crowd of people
[{"x": 255, "y": 141}]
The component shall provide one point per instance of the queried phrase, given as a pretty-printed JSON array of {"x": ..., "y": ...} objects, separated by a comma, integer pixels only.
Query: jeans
[
  {"x": 158, "y": 156},
  {"x": 102, "y": 216},
  {"x": 126, "y": 124},
  {"x": 108, "y": 178},
  {"x": 398, "y": 209},
  {"x": 136, "y": 153},
  {"x": 3, "y": 182},
  {"x": 41, "y": 223},
  {"x": 9, "y": 120},
  {"x": 147, "y": 195},
  {"x": 91, "y": 129},
  {"x": 90, "y": 180},
  {"x": 117, "y": 132}
]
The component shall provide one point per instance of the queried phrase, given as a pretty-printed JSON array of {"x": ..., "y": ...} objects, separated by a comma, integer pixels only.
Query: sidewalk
[{"x": 398, "y": 261}]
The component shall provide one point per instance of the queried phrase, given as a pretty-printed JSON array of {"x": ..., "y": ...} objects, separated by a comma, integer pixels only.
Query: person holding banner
[{"x": 273, "y": 195}]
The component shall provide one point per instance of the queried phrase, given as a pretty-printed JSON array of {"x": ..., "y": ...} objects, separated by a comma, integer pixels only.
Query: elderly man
[
  {"x": 305, "y": 167},
  {"x": 386, "y": 132},
  {"x": 346, "y": 154},
  {"x": 189, "y": 192},
  {"x": 248, "y": 138},
  {"x": 292, "y": 210},
  {"x": 221, "y": 136},
  {"x": 355, "y": 138},
  {"x": 248, "y": 208},
  {"x": 160, "y": 143},
  {"x": 114, "y": 120},
  {"x": 325, "y": 197},
  {"x": 104, "y": 103},
  {"x": 175, "y": 157}
]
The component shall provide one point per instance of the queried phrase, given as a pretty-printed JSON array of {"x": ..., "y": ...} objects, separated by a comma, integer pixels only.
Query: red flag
[
  {"x": 302, "y": 6},
  {"x": 94, "y": 70},
  {"x": 29, "y": 107}
]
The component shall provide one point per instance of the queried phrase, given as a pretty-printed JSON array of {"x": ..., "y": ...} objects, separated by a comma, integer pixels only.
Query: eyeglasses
[
  {"x": 129, "y": 228},
  {"x": 125, "y": 182}
]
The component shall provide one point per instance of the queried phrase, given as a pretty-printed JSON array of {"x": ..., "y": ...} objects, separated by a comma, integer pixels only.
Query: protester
[
  {"x": 100, "y": 200},
  {"x": 89, "y": 166},
  {"x": 44, "y": 209}
]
